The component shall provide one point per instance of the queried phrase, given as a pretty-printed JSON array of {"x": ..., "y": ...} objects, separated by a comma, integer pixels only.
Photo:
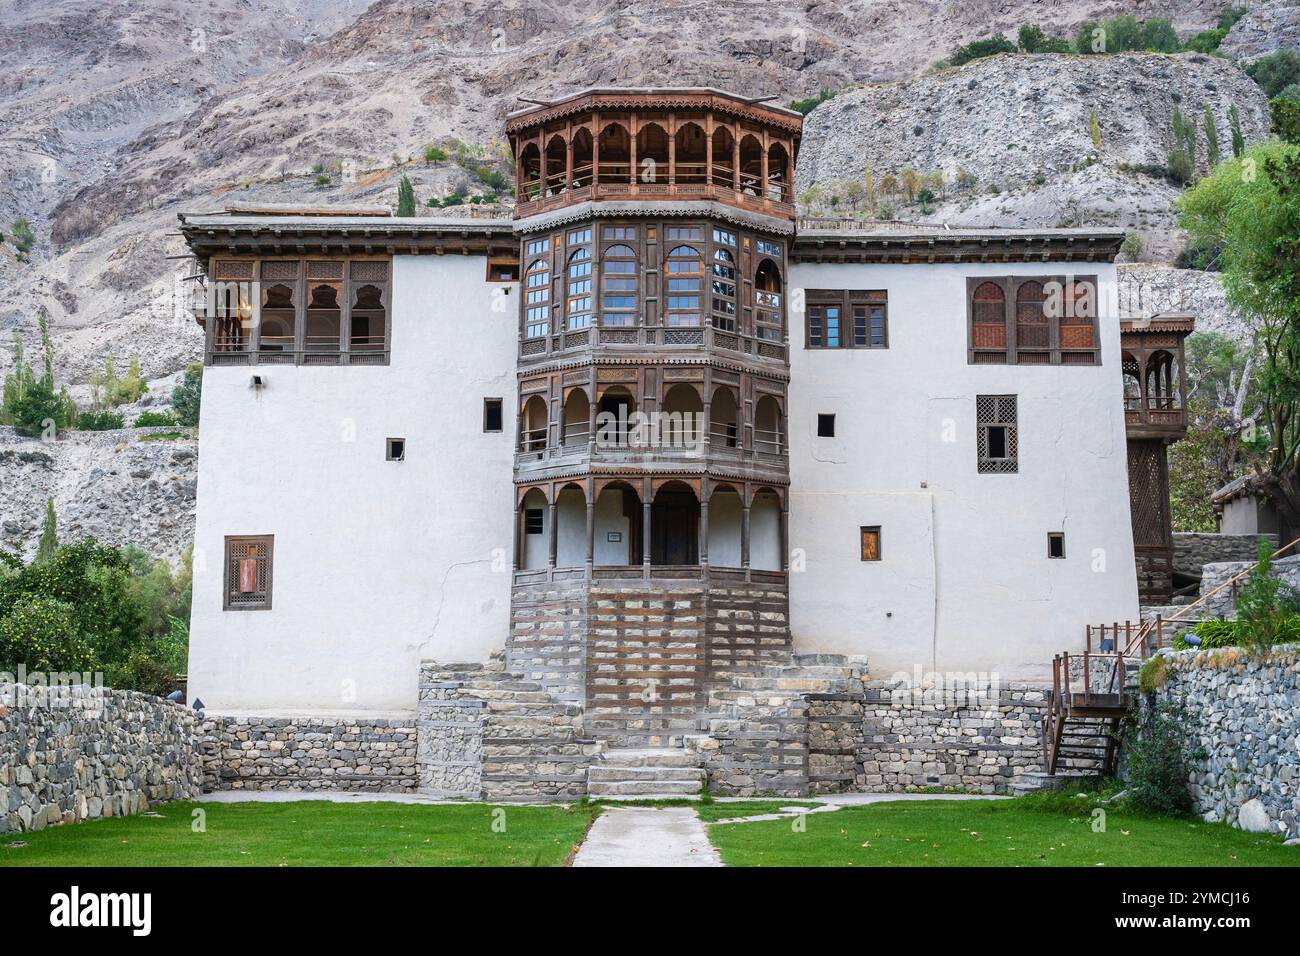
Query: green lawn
[
  {"x": 710, "y": 812},
  {"x": 313, "y": 833},
  {"x": 989, "y": 833}
]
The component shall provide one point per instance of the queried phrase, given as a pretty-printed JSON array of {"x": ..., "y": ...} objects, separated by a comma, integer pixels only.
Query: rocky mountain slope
[
  {"x": 113, "y": 117},
  {"x": 1020, "y": 126}
]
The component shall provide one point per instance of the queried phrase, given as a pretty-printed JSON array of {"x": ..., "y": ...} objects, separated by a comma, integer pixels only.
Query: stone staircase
[{"x": 646, "y": 773}]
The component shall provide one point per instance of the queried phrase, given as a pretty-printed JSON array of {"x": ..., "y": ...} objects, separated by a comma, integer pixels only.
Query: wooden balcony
[
  {"x": 637, "y": 338},
  {"x": 1154, "y": 419},
  {"x": 773, "y": 202}
]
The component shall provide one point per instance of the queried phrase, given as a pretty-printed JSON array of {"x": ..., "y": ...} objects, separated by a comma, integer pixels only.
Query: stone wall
[
  {"x": 91, "y": 753},
  {"x": 974, "y": 739},
  {"x": 1224, "y": 603},
  {"x": 1193, "y": 550},
  {"x": 308, "y": 753},
  {"x": 1245, "y": 711}
]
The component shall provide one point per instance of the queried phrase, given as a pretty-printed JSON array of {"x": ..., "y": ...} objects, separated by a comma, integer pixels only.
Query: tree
[
  {"x": 1158, "y": 35},
  {"x": 41, "y": 634},
  {"x": 1124, "y": 33},
  {"x": 1211, "y": 139},
  {"x": 1090, "y": 38},
  {"x": 187, "y": 396},
  {"x": 1251, "y": 207},
  {"x": 1234, "y": 123},
  {"x": 1284, "y": 119},
  {"x": 49, "y": 542},
  {"x": 405, "y": 198},
  {"x": 1182, "y": 158},
  {"x": 911, "y": 180},
  {"x": 1030, "y": 38},
  {"x": 1094, "y": 129},
  {"x": 1276, "y": 72}
]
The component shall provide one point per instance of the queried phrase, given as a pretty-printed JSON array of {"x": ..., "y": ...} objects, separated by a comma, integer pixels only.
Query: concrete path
[{"x": 647, "y": 836}]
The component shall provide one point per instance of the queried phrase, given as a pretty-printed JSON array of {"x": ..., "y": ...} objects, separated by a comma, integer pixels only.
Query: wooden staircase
[{"x": 1084, "y": 710}]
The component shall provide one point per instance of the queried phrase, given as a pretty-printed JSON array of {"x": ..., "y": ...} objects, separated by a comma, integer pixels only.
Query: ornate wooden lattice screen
[
  {"x": 999, "y": 443},
  {"x": 1148, "y": 492},
  {"x": 248, "y": 572}
]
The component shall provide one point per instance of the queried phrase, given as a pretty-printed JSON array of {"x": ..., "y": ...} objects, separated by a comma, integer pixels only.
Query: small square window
[
  {"x": 492, "y": 415},
  {"x": 248, "y": 572},
  {"x": 870, "y": 542},
  {"x": 396, "y": 449},
  {"x": 1055, "y": 544},
  {"x": 532, "y": 521},
  {"x": 825, "y": 426},
  {"x": 503, "y": 270}
]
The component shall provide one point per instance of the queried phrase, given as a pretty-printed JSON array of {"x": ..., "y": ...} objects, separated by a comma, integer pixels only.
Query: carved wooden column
[
  {"x": 595, "y": 151},
  {"x": 708, "y": 153},
  {"x": 744, "y": 529},
  {"x": 591, "y": 525},
  {"x": 553, "y": 532},
  {"x": 785, "y": 532},
  {"x": 704, "y": 523},
  {"x": 591, "y": 418},
  {"x": 633, "y": 129},
  {"x": 672, "y": 152},
  {"x": 647, "y": 499},
  {"x": 516, "y": 549}
]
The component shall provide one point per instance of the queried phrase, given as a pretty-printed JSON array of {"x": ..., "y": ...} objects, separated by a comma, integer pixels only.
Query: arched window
[
  {"x": 751, "y": 166},
  {"x": 767, "y": 302},
  {"x": 724, "y": 171},
  {"x": 324, "y": 316},
  {"x": 690, "y": 154},
  {"x": 577, "y": 303},
  {"x": 615, "y": 154},
  {"x": 1078, "y": 315},
  {"x": 538, "y": 281},
  {"x": 279, "y": 316},
  {"x": 530, "y": 173},
  {"x": 722, "y": 275},
  {"x": 685, "y": 280},
  {"x": 989, "y": 324},
  {"x": 778, "y": 173},
  {"x": 368, "y": 316},
  {"x": 556, "y": 159},
  {"x": 618, "y": 286},
  {"x": 651, "y": 154},
  {"x": 1033, "y": 334},
  {"x": 582, "y": 171}
]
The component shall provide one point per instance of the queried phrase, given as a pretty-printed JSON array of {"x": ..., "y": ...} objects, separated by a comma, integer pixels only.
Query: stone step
[
  {"x": 596, "y": 772},
  {"x": 644, "y": 788},
  {"x": 650, "y": 757}
]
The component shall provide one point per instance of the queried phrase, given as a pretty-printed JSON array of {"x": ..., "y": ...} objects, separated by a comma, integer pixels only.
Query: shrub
[
  {"x": 1207, "y": 41},
  {"x": 886, "y": 211},
  {"x": 1284, "y": 117},
  {"x": 434, "y": 154},
  {"x": 1276, "y": 72},
  {"x": 322, "y": 180},
  {"x": 1159, "y": 756},
  {"x": 978, "y": 49},
  {"x": 150, "y": 419},
  {"x": 1264, "y": 603},
  {"x": 40, "y": 407},
  {"x": 41, "y": 634},
  {"x": 188, "y": 395},
  {"x": 23, "y": 237},
  {"x": 807, "y": 106},
  {"x": 109, "y": 390},
  {"x": 1132, "y": 245},
  {"x": 100, "y": 421}
]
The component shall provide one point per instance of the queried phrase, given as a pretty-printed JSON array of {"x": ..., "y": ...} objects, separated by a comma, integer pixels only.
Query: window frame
[
  {"x": 1055, "y": 352},
  {"x": 864, "y": 532},
  {"x": 488, "y": 402},
  {"x": 985, "y": 463},
  {"x": 1055, "y": 536},
  {"x": 388, "y": 449},
  {"x": 826, "y": 417},
  {"x": 232, "y": 540},
  {"x": 847, "y": 301}
]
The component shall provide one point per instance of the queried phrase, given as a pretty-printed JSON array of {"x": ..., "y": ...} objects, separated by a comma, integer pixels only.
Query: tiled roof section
[
  {"x": 654, "y": 98},
  {"x": 632, "y": 207},
  {"x": 294, "y": 233},
  {"x": 1180, "y": 322},
  {"x": 927, "y": 242},
  {"x": 1237, "y": 488}
]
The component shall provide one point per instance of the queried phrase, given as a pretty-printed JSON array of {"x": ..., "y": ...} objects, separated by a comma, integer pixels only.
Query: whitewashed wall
[
  {"x": 377, "y": 564},
  {"x": 965, "y": 583}
]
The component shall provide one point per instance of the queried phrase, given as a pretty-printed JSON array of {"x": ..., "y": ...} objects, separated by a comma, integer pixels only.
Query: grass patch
[
  {"x": 314, "y": 833},
  {"x": 748, "y": 808},
  {"x": 163, "y": 436},
  {"x": 992, "y": 833}
]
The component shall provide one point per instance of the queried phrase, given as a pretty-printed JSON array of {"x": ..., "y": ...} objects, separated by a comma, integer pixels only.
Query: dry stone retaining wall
[
  {"x": 1194, "y": 550},
  {"x": 1245, "y": 713},
  {"x": 308, "y": 753},
  {"x": 90, "y": 754}
]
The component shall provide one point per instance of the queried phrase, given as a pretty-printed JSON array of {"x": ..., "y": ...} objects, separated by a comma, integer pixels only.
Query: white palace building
[{"x": 655, "y": 429}]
